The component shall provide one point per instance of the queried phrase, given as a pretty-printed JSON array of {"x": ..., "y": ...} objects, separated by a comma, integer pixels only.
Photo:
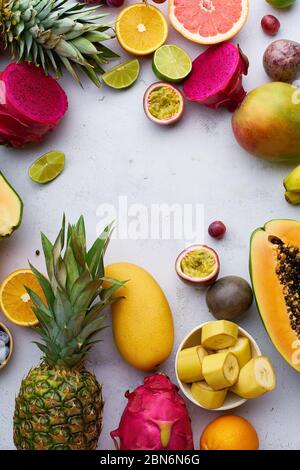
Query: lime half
[
  {"x": 171, "y": 63},
  {"x": 123, "y": 75},
  {"x": 47, "y": 167}
]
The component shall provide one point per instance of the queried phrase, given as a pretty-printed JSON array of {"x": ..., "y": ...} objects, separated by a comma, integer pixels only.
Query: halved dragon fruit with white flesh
[
  {"x": 216, "y": 79},
  {"x": 31, "y": 104}
]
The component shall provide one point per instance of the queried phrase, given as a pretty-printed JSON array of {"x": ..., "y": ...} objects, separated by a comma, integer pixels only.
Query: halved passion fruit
[
  {"x": 163, "y": 103},
  {"x": 198, "y": 264}
]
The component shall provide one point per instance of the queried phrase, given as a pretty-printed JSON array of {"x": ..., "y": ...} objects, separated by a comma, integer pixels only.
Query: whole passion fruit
[
  {"x": 282, "y": 60},
  {"x": 198, "y": 264},
  {"x": 229, "y": 297},
  {"x": 163, "y": 103}
]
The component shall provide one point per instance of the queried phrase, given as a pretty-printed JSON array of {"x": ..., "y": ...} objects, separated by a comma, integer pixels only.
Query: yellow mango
[{"x": 142, "y": 322}]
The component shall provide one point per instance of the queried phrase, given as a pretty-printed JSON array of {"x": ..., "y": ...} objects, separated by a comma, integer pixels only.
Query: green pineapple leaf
[
  {"x": 71, "y": 267},
  {"x": 74, "y": 293},
  {"x": 49, "y": 33},
  {"x": 106, "y": 294},
  {"x": 97, "y": 251},
  {"x": 79, "y": 285},
  {"x": 88, "y": 295},
  {"x": 45, "y": 285},
  {"x": 48, "y": 253},
  {"x": 38, "y": 303}
]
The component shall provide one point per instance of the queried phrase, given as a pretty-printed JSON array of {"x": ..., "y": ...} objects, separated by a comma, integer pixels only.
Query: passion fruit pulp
[
  {"x": 163, "y": 103},
  {"x": 198, "y": 264}
]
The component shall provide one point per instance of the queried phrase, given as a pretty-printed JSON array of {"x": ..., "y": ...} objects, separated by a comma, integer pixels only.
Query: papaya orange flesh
[{"x": 268, "y": 289}]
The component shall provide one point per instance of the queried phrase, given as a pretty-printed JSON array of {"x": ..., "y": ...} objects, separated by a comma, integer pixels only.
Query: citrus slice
[
  {"x": 208, "y": 21},
  {"x": 171, "y": 63},
  {"x": 15, "y": 302},
  {"x": 123, "y": 75},
  {"x": 47, "y": 167},
  {"x": 141, "y": 29}
]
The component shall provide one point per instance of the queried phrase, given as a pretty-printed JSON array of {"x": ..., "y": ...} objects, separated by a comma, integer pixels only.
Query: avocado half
[
  {"x": 267, "y": 287},
  {"x": 11, "y": 208}
]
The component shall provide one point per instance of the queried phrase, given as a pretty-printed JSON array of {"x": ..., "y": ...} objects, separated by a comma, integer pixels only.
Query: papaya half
[{"x": 275, "y": 275}]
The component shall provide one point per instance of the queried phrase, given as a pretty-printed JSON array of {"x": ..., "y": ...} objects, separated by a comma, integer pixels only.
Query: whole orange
[{"x": 229, "y": 433}]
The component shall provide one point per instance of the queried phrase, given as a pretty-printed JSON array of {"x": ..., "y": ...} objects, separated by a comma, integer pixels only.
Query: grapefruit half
[{"x": 208, "y": 21}]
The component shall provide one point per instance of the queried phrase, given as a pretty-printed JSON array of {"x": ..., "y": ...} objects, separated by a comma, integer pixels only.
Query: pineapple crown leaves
[
  {"x": 56, "y": 33},
  {"x": 75, "y": 295}
]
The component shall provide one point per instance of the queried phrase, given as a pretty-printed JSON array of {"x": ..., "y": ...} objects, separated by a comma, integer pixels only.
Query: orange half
[
  {"x": 141, "y": 29},
  {"x": 15, "y": 302},
  {"x": 208, "y": 21}
]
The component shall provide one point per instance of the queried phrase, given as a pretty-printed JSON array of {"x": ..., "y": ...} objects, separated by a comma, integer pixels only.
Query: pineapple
[
  {"x": 56, "y": 33},
  {"x": 60, "y": 403}
]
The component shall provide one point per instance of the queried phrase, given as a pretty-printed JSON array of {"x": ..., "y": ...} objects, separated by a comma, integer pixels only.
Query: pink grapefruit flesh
[{"x": 208, "y": 21}]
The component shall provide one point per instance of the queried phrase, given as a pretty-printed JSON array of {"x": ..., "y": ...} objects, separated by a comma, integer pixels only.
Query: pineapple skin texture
[{"x": 58, "y": 409}]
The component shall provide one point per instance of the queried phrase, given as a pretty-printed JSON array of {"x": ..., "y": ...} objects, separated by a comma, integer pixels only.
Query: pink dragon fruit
[
  {"x": 216, "y": 77},
  {"x": 155, "y": 418},
  {"x": 31, "y": 104},
  {"x": 19, "y": 133}
]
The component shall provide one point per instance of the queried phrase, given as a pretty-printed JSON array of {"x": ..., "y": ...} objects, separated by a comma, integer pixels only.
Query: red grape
[
  {"x": 270, "y": 24},
  {"x": 159, "y": 1},
  {"x": 217, "y": 229}
]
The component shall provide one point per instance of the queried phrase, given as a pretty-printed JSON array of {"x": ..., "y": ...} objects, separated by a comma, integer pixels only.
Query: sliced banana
[
  {"x": 241, "y": 349},
  {"x": 220, "y": 370},
  {"x": 219, "y": 335},
  {"x": 189, "y": 364},
  {"x": 207, "y": 396},
  {"x": 256, "y": 378}
]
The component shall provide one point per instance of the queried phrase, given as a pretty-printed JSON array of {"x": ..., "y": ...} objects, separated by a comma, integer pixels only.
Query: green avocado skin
[
  {"x": 281, "y": 3},
  {"x": 7, "y": 186}
]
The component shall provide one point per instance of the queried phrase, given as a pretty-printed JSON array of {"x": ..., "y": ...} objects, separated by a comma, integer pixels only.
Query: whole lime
[{"x": 281, "y": 3}]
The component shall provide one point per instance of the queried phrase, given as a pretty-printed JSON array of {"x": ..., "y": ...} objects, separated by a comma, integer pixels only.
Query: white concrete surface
[{"x": 113, "y": 150}]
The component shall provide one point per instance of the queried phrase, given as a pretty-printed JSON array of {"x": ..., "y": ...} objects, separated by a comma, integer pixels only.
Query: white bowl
[{"x": 194, "y": 339}]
